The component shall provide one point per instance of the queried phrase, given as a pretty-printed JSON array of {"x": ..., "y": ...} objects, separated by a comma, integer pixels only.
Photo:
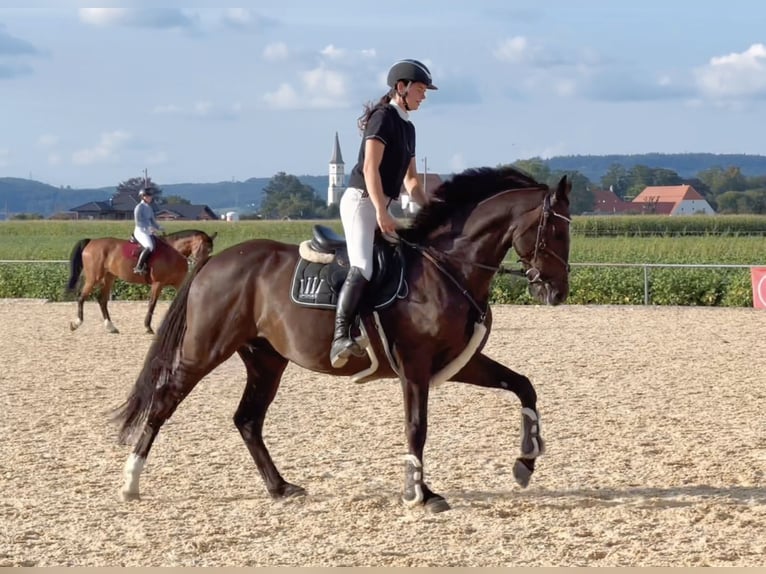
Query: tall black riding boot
[
  {"x": 140, "y": 268},
  {"x": 343, "y": 346}
]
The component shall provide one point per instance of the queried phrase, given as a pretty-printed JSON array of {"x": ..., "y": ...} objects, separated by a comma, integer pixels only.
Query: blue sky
[{"x": 200, "y": 93}]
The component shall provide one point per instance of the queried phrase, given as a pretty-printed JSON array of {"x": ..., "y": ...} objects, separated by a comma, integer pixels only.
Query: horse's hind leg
[
  {"x": 85, "y": 292},
  {"x": 485, "y": 372},
  {"x": 164, "y": 401},
  {"x": 155, "y": 294},
  {"x": 103, "y": 300},
  {"x": 264, "y": 372}
]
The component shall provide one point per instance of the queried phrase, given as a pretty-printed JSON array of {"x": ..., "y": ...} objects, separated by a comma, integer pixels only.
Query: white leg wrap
[
  {"x": 418, "y": 477},
  {"x": 133, "y": 467},
  {"x": 530, "y": 434}
]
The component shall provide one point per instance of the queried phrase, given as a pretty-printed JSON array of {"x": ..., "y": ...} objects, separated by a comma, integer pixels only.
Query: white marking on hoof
[
  {"x": 74, "y": 324},
  {"x": 109, "y": 326},
  {"x": 133, "y": 467}
]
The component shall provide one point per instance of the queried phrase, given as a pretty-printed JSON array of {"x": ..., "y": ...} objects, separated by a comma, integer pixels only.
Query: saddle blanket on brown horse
[{"x": 317, "y": 284}]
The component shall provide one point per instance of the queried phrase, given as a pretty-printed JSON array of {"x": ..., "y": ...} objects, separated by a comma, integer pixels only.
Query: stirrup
[
  {"x": 339, "y": 355},
  {"x": 139, "y": 271}
]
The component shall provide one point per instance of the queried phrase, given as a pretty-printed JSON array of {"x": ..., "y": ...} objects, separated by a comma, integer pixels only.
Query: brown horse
[
  {"x": 106, "y": 258},
  {"x": 242, "y": 301}
]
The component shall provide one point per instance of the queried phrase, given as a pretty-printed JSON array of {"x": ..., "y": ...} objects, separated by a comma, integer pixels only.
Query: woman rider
[
  {"x": 146, "y": 227},
  {"x": 386, "y": 160}
]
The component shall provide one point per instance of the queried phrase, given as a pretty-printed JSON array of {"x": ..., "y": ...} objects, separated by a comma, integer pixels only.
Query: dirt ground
[{"x": 653, "y": 416}]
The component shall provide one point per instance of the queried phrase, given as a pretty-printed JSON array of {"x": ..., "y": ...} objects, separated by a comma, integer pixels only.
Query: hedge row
[{"x": 728, "y": 287}]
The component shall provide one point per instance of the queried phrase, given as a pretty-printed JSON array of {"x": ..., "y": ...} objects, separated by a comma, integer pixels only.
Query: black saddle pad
[{"x": 318, "y": 284}]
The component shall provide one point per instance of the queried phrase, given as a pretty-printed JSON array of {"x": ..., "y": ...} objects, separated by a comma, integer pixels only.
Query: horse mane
[{"x": 465, "y": 189}]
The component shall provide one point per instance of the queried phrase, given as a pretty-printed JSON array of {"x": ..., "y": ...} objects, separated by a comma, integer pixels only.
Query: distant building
[
  {"x": 674, "y": 200},
  {"x": 120, "y": 207},
  {"x": 337, "y": 175},
  {"x": 653, "y": 200},
  {"x": 607, "y": 202}
]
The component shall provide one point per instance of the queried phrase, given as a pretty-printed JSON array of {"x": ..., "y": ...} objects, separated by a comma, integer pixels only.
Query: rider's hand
[{"x": 387, "y": 223}]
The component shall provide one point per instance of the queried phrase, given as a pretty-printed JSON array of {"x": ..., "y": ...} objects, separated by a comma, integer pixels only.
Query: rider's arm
[
  {"x": 373, "y": 155},
  {"x": 412, "y": 184}
]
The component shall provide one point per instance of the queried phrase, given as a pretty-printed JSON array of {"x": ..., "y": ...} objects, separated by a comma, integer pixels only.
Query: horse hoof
[
  {"x": 288, "y": 491},
  {"x": 128, "y": 496},
  {"x": 521, "y": 472},
  {"x": 149, "y": 331},
  {"x": 436, "y": 504}
]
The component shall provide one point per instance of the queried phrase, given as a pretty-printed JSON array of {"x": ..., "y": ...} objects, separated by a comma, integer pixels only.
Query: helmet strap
[{"x": 404, "y": 96}]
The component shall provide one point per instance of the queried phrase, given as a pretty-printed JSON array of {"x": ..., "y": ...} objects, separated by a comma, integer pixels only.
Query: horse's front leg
[
  {"x": 486, "y": 372},
  {"x": 416, "y": 492}
]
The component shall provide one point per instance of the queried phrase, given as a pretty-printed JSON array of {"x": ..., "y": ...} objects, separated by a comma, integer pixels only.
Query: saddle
[{"x": 323, "y": 266}]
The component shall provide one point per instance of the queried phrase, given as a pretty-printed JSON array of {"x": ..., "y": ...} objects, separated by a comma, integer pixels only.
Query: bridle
[{"x": 531, "y": 274}]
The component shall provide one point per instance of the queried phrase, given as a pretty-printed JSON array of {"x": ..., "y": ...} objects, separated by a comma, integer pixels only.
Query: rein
[{"x": 425, "y": 253}]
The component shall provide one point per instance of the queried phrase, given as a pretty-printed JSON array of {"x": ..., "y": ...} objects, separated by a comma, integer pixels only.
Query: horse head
[{"x": 543, "y": 246}]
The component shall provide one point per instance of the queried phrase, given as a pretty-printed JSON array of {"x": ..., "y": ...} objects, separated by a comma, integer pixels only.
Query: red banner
[{"x": 758, "y": 277}]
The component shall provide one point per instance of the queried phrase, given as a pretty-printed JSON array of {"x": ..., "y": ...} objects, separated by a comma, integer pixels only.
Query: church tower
[{"x": 337, "y": 184}]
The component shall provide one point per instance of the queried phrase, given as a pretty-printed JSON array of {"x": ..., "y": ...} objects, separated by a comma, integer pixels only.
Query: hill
[
  {"x": 29, "y": 196},
  {"x": 685, "y": 164}
]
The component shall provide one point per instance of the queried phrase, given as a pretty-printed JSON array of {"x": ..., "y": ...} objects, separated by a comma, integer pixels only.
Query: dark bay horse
[
  {"x": 105, "y": 258},
  {"x": 240, "y": 302}
]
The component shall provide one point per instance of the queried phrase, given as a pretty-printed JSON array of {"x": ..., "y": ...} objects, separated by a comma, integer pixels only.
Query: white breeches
[
  {"x": 357, "y": 214},
  {"x": 145, "y": 239}
]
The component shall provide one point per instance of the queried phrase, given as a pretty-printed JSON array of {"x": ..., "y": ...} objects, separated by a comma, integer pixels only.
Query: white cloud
[
  {"x": 515, "y": 50},
  {"x": 144, "y": 18},
  {"x": 320, "y": 88},
  {"x": 735, "y": 76},
  {"x": 107, "y": 149},
  {"x": 54, "y": 159},
  {"x": 284, "y": 98},
  {"x": 245, "y": 20},
  {"x": 104, "y": 16},
  {"x": 332, "y": 52},
  {"x": 275, "y": 52}
]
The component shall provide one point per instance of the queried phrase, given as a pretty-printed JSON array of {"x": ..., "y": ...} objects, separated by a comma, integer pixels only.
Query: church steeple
[{"x": 337, "y": 184}]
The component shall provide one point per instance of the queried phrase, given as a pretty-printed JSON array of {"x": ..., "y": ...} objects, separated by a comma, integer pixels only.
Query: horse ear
[
  {"x": 562, "y": 190},
  {"x": 214, "y": 235}
]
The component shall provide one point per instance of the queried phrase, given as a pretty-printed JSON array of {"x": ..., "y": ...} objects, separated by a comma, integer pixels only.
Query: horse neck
[
  {"x": 182, "y": 244},
  {"x": 487, "y": 235}
]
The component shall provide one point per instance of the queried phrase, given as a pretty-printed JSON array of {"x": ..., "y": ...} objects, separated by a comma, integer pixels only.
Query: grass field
[{"x": 53, "y": 240}]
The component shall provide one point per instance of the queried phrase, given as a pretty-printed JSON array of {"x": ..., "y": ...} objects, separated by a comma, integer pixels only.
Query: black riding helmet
[{"x": 410, "y": 71}]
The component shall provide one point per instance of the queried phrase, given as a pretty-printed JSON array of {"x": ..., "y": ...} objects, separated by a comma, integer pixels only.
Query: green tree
[
  {"x": 581, "y": 198},
  {"x": 286, "y": 197},
  {"x": 176, "y": 200},
  {"x": 136, "y": 184},
  {"x": 535, "y": 167},
  {"x": 616, "y": 180}
]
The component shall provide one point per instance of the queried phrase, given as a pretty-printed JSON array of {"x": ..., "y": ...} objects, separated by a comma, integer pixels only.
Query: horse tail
[
  {"x": 158, "y": 364},
  {"x": 75, "y": 264}
]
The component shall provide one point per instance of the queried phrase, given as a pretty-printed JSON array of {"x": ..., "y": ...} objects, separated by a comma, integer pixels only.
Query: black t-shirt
[{"x": 398, "y": 135}]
